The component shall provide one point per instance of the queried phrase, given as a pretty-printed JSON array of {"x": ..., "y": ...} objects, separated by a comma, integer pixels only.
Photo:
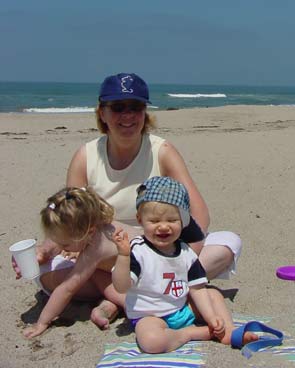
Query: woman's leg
[
  {"x": 220, "y": 253},
  {"x": 154, "y": 336}
]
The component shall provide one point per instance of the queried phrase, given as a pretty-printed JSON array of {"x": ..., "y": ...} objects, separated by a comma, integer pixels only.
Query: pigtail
[{"x": 75, "y": 211}]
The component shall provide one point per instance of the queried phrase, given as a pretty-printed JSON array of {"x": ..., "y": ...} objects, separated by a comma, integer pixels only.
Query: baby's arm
[
  {"x": 121, "y": 272},
  {"x": 201, "y": 299},
  {"x": 62, "y": 295}
]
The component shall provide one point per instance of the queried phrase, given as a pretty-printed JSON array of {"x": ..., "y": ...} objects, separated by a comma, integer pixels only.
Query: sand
[{"x": 242, "y": 159}]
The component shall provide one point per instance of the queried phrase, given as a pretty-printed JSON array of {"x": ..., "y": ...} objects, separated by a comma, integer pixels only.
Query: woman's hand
[
  {"x": 121, "y": 240},
  {"x": 35, "y": 330}
]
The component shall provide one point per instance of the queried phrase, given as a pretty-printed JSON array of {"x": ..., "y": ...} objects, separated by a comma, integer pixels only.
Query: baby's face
[{"x": 161, "y": 223}]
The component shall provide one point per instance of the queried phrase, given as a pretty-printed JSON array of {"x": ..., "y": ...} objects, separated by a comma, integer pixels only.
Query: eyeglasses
[{"x": 120, "y": 107}]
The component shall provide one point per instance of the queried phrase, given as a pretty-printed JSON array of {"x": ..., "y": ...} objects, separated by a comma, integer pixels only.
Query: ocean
[{"x": 52, "y": 97}]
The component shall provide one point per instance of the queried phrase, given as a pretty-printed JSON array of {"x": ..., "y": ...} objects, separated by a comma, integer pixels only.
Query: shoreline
[{"x": 242, "y": 159}]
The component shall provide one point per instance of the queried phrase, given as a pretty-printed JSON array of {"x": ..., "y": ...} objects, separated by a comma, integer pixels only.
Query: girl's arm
[
  {"x": 172, "y": 164},
  {"x": 201, "y": 299},
  {"x": 84, "y": 267},
  {"x": 121, "y": 272}
]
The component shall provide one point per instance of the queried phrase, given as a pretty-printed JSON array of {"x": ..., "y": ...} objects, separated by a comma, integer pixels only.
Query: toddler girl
[{"x": 75, "y": 218}]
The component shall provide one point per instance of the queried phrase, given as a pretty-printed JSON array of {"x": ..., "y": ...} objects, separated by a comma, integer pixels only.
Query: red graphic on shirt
[
  {"x": 170, "y": 276},
  {"x": 175, "y": 287}
]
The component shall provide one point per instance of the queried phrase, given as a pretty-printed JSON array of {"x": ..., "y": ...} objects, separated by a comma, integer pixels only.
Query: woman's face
[{"x": 124, "y": 118}]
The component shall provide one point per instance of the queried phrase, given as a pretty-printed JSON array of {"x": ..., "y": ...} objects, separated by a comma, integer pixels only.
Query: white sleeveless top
[{"x": 118, "y": 187}]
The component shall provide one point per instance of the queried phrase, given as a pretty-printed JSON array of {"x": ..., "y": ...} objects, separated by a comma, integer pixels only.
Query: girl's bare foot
[
  {"x": 105, "y": 313},
  {"x": 247, "y": 337}
]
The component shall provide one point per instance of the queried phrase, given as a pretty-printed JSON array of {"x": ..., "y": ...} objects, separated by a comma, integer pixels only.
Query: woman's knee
[{"x": 227, "y": 239}]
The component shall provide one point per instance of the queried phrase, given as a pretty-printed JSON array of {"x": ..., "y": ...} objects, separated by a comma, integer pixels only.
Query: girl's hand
[
  {"x": 16, "y": 269},
  {"x": 35, "y": 330},
  {"x": 121, "y": 240},
  {"x": 69, "y": 255},
  {"x": 43, "y": 256},
  {"x": 46, "y": 251}
]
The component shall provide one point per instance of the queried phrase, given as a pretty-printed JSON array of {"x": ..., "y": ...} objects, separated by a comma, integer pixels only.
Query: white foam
[
  {"x": 53, "y": 110},
  {"x": 197, "y": 95}
]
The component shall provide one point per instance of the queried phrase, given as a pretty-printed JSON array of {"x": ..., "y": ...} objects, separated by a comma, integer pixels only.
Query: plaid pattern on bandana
[{"x": 166, "y": 190}]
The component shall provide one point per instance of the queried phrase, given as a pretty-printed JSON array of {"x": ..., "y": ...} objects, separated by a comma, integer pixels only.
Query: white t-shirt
[{"x": 160, "y": 282}]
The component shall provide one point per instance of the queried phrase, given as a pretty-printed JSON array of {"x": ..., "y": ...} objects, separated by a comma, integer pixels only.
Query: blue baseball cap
[
  {"x": 124, "y": 86},
  {"x": 167, "y": 190}
]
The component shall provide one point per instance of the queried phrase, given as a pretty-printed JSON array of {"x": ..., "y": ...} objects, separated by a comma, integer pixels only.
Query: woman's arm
[
  {"x": 172, "y": 164},
  {"x": 61, "y": 296},
  {"x": 77, "y": 170}
]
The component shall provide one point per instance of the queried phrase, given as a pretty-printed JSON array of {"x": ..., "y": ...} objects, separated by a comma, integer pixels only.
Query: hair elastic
[{"x": 52, "y": 206}]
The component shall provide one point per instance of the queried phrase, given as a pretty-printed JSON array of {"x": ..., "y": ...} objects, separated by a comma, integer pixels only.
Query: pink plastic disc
[{"x": 286, "y": 272}]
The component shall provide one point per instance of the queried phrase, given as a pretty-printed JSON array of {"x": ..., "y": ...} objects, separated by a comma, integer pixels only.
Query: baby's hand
[
  {"x": 121, "y": 240},
  {"x": 35, "y": 330},
  {"x": 217, "y": 326}
]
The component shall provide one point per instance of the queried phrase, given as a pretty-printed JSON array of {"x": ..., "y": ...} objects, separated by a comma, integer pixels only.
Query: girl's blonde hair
[
  {"x": 149, "y": 121},
  {"x": 74, "y": 211}
]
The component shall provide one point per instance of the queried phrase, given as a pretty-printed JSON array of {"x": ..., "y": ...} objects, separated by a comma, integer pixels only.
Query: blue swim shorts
[{"x": 179, "y": 319}]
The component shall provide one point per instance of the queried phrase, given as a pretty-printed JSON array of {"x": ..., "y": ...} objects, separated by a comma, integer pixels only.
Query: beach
[{"x": 242, "y": 159}]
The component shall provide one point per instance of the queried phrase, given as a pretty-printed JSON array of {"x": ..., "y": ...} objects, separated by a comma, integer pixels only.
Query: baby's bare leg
[
  {"x": 221, "y": 310},
  {"x": 154, "y": 336}
]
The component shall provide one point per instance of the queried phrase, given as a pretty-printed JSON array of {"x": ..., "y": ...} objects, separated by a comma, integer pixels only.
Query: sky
[{"x": 165, "y": 41}]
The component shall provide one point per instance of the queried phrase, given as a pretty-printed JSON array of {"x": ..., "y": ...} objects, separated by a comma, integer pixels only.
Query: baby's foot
[
  {"x": 247, "y": 337},
  {"x": 105, "y": 313}
]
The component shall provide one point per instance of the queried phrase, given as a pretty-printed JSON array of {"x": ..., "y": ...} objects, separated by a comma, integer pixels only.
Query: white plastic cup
[{"x": 24, "y": 253}]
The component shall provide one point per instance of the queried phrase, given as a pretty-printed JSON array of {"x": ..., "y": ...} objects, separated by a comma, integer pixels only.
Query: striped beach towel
[
  {"x": 127, "y": 354},
  {"x": 190, "y": 355}
]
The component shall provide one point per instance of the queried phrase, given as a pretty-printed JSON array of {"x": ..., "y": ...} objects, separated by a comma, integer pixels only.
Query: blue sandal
[{"x": 262, "y": 342}]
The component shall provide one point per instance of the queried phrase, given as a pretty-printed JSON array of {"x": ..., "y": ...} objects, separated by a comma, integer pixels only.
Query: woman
[{"x": 121, "y": 159}]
